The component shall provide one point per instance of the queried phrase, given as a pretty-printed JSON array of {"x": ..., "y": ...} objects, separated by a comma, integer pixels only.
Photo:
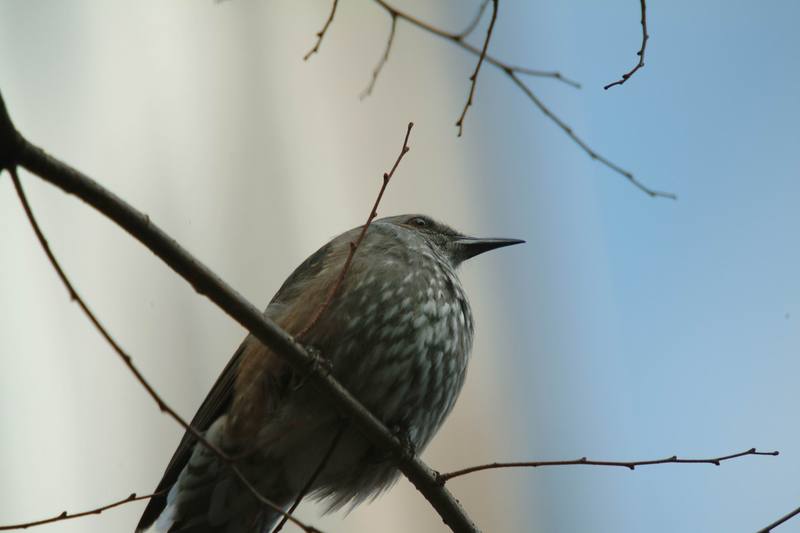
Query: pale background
[{"x": 626, "y": 328}]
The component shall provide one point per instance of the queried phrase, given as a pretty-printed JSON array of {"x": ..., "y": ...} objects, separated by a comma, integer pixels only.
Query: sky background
[{"x": 626, "y": 328}]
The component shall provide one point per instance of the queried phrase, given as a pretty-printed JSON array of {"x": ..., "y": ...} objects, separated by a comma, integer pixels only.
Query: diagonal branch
[
  {"x": 582, "y": 144},
  {"x": 474, "y": 77},
  {"x": 474, "y": 24},
  {"x": 444, "y": 478},
  {"x": 314, "y": 475},
  {"x": 75, "y": 297},
  {"x": 14, "y": 149},
  {"x": 321, "y": 33},
  {"x": 640, "y": 53},
  {"x": 513, "y": 72},
  {"x": 69, "y": 516},
  {"x": 782, "y": 520},
  {"x": 457, "y": 38},
  {"x": 384, "y": 58},
  {"x": 128, "y": 360}
]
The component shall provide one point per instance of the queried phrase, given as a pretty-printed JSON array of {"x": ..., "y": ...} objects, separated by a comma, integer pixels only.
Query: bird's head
[{"x": 449, "y": 243}]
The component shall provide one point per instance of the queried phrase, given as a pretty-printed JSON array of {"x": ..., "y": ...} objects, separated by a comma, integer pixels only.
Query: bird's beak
[{"x": 471, "y": 246}]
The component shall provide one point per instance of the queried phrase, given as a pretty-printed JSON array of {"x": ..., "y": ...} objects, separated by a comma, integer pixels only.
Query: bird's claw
[{"x": 401, "y": 432}]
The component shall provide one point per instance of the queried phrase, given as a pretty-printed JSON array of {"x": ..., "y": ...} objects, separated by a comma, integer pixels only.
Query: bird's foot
[{"x": 402, "y": 432}]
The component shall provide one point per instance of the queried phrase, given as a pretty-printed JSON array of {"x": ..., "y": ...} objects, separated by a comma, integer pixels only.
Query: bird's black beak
[{"x": 471, "y": 246}]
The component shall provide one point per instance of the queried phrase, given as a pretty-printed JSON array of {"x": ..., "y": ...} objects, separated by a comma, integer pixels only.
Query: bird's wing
[
  {"x": 250, "y": 355},
  {"x": 216, "y": 403}
]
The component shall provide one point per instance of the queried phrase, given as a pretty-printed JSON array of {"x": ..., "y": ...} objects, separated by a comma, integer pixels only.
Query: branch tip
[{"x": 640, "y": 53}]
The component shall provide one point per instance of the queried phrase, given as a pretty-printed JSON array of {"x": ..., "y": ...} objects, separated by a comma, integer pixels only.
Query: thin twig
[
  {"x": 67, "y": 516},
  {"x": 513, "y": 72},
  {"x": 474, "y": 77},
  {"x": 314, "y": 475},
  {"x": 585, "y": 147},
  {"x": 354, "y": 245},
  {"x": 474, "y": 24},
  {"x": 16, "y": 150},
  {"x": 460, "y": 42},
  {"x": 128, "y": 360},
  {"x": 384, "y": 58},
  {"x": 321, "y": 33},
  {"x": 640, "y": 53},
  {"x": 269, "y": 503},
  {"x": 75, "y": 297},
  {"x": 779, "y": 521},
  {"x": 546, "y": 73},
  {"x": 444, "y": 478}
]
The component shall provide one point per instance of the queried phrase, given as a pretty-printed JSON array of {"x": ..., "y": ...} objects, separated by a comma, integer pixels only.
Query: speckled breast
[{"x": 406, "y": 337}]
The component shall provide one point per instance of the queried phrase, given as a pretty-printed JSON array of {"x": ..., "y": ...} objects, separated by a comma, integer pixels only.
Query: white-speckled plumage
[{"x": 398, "y": 336}]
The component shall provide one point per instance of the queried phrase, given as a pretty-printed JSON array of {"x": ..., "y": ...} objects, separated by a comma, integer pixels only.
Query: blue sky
[{"x": 671, "y": 326}]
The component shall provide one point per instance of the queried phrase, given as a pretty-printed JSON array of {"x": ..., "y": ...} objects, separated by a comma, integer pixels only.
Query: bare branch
[
  {"x": 640, "y": 53},
  {"x": 779, "y": 521},
  {"x": 304, "y": 491},
  {"x": 376, "y": 72},
  {"x": 474, "y": 24},
  {"x": 546, "y": 73},
  {"x": 321, "y": 33},
  {"x": 16, "y": 150},
  {"x": 474, "y": 77},
  {"x": 69, "y": 516},
  {"x": 444, "y": 478},
  {"x": 268, "y": 503},
  {"x": 75, "y": 297},
  {"x": 585, "y": 147},
  {"x": 513, "y": 72},
  {"x": 128, "y": 360},
  {"x": 459, "y": 41},
  {"x": 354, "y": 245}
]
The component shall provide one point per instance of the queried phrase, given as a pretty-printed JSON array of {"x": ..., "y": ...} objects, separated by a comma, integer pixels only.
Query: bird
[{"x": 397, "y": 335}]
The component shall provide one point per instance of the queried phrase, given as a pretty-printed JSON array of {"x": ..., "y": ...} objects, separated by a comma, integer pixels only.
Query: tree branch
[
  {"x": 513, "y": 72},
  {"x": 304, "y": 491},
  {"x": 444, "y": 478},
  {"x": 67, "y": 516},
  {"x": 474, "y": 24},
  {"x": 128, "y": 360},
  {"x": 14, "y": 149},
  {"x": 321, "y": 33},
  {"x": 474, "y": 77},
  {"x": 779, "y": 521},
  {"x": 585, "y": 147},
  {"x": 376, "y": 72},
  {"x": 640, "y": 53}
]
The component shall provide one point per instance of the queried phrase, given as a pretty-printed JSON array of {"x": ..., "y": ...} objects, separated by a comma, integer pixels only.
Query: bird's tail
[{"x": 209, "y": 497}]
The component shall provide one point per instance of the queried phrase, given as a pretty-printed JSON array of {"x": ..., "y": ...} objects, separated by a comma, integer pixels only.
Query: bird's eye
[{"x": 419, "y": 222}]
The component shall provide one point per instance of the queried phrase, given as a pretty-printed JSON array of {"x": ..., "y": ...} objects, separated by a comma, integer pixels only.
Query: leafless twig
[
  {"x": 444, "y": 478},
  {"x": 513, "y": 73},
  {"x": 321, "y": 33},
  {"x": 128, "y": 360},
  {"x": 779, "y": 521},
  {"x": 304, "y": 491},
  {"x": 67, "y": 516},
  {"x": 384, "y": 58},
  {"x": 474, "y": 24},
  {"x": 585, "y": 147},
  {"x": 354, "y": 245},
  {"x": 474, "y": 78},
  {"x": 75, "y": 297},
  {"x": 640, "y": 53}
]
